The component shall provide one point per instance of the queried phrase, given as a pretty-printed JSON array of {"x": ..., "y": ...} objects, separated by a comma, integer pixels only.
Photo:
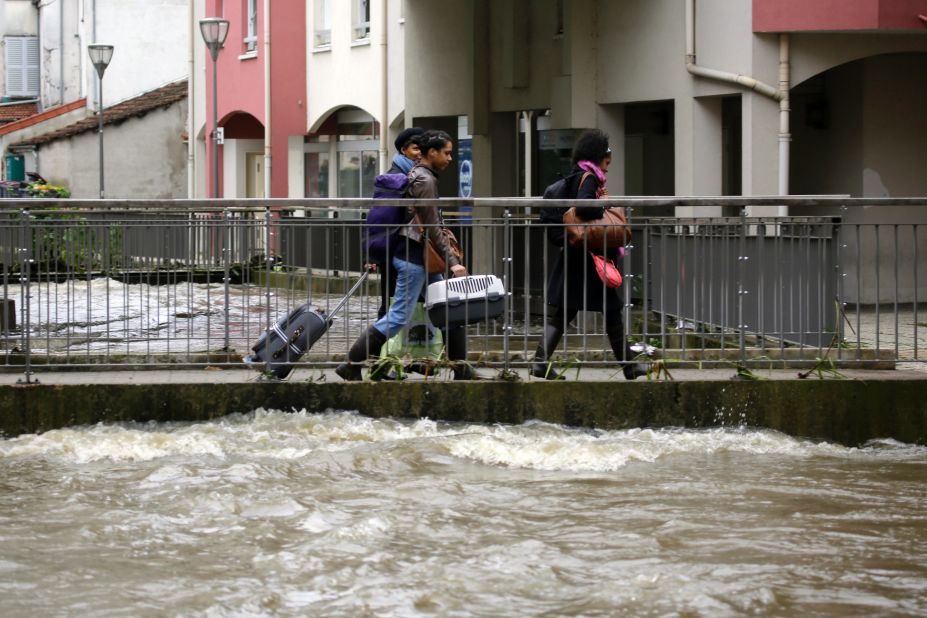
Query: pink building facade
[
  {"x": 838, "y": 15},
  {"x": 241, "y": 94}
]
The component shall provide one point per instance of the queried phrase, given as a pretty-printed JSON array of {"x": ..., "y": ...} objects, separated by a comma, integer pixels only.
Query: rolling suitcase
[{"x": 292, "y": 336}]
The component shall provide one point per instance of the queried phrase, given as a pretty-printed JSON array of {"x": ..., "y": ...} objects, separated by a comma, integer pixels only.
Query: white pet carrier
[{"x": 464, "y": 300}]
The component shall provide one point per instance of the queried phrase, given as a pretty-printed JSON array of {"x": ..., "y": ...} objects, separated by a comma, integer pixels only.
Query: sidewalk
[{"x": 304, "y": 376}]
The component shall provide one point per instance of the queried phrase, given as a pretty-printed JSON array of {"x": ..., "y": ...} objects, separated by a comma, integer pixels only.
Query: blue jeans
[{"x": 409, "y": 284}]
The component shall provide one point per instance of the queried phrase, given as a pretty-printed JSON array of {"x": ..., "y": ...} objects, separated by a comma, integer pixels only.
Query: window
[
  {"x": 251, "y": 38},
  {"x": 22, "y": 66},
  {"x": 322, "y": 18},
  {"x": 361, "y": 19},
  {"x": 343, "y": 161}
]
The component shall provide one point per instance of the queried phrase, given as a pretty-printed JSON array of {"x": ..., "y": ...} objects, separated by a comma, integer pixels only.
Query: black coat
[{"x": 573, "y": 267}]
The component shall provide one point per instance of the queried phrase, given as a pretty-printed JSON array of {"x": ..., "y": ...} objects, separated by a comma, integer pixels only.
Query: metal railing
[{"x": 140, "y": 283}]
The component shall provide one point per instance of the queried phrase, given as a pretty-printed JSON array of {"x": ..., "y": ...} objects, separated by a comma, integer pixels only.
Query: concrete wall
[
  {"x": 850, "y": 412},
  {"x": 144, "y": 158},
  {"x": 17, "y": 18},
  {"x": 617, "y": 52},
  {"x": 64, "y": 60},
  {"x": 150, "y": 38}
]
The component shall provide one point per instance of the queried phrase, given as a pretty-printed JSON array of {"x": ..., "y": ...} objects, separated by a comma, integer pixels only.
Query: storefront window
[{"x": 316, "y": 174}]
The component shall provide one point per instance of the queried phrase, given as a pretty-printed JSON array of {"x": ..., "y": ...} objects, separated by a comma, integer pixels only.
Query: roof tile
[{"x": 131, "y": 108}]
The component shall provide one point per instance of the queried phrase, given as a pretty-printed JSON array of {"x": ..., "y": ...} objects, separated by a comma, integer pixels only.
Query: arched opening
[
  {"x": 341, "y": 156},
  {"x": 855, "y": 129},
  {"x": 242, "y": 156}
]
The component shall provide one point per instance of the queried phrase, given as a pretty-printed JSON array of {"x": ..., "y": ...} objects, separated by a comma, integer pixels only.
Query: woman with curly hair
[{"x": 574, "y": 284}]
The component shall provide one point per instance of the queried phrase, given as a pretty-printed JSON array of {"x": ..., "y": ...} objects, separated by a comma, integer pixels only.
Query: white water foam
[{"x": 535, "y": 445}]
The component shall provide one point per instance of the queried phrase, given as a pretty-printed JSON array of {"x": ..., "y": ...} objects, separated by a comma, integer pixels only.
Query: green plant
[
  {"x": 824, "y": 365},
  {"x": 744, "y": 373},
  {"x": 46, "y": 190},
  {"x": 658, "y": 369},
  {"x": 821, "y": 367},
  {"x": 67, "y": 241}
]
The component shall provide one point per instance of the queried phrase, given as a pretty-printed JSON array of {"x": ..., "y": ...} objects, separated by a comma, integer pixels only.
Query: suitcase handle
[{"x": 350, "y": 293}]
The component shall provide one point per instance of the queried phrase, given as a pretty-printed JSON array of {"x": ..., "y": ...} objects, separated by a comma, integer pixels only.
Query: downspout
[
  {"x": 785, "y": 135},
  {"x": 41, "y": 13},
  {"x": 191, "y": 142},
  {"x": 384, "y": 88},
  {"x": 61, "y": 52},
  {"x": 529, "y": 163},
  {"x": 723, "y": 76},
  {"x": 267, "y": 110},
  {"x": 781, "y": 95},
  {"x": 80, "y": 48}
]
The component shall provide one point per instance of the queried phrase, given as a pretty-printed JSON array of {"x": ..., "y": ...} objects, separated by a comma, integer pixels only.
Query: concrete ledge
[{"x": 846, "y": 411}]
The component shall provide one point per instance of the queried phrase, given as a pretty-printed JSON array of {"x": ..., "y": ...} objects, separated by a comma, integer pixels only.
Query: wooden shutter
[{"x": 22, "y": 66}]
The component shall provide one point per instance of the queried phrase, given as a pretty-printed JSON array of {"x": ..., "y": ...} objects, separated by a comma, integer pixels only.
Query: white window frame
[
  {"x": 251, "y": 18},
  {"x": 321, "y": 24},
  {"x": 21, "y": 61},
  {"x": 361, "y": 20}
]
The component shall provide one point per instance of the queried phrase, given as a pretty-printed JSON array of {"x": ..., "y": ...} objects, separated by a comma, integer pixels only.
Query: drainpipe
[
  {"x": 191, "y": 141},
  {"x": 61, "y": 52},
  {"x": 723, "y": 76},
  {"x": 781, "y": 95},
  {"x": 267, "y": 110},
  {"x": 384, "y": 88},
  {"x": 80, "y": 49},
  {"x": 785, "y": 136},
  {"x": 529, "y": 164}
]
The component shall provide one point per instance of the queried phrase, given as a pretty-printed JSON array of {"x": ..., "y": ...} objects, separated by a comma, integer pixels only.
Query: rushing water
[{"x": 295, "y": 514}]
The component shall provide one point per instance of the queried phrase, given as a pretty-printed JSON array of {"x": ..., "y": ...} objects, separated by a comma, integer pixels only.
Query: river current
[{"x": 279, "y": 514}]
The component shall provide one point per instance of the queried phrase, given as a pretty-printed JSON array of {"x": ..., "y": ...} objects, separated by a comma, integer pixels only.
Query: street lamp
[
  {"x": 214, "y": 30},
  {"x": 100, "y": 55}
]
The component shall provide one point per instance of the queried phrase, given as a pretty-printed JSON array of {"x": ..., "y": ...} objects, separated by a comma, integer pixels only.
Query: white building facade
[
  {"x": 355, "y": 99},
  {"x": 151, "y": 50}
]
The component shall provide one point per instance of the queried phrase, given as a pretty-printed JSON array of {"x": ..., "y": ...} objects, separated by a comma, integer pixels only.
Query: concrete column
[
  {"x": 705, "y": 156},
  {"x": 761, "y": 152}
]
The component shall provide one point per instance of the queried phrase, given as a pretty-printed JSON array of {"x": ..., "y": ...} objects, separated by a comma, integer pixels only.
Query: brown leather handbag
[
  {"x": 434, "y": 259},
  {"x": 609, "y": 232}
]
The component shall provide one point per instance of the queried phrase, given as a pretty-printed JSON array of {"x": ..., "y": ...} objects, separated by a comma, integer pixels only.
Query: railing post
[
  {"x": 840, "y": 271},
  {"x": 741, "y": 276},
  {"x": 507, "y": 281},
  {"x": 627, "y": 289},
  {"x": 268, "y": 261},
  {"x": 25, "y": 281},
  {"x": 226, "y": 249}
]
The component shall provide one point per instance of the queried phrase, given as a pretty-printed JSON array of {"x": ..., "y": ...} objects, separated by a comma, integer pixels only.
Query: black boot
[
  {"x": 456, "y": 344},
  {"x": 541, "y": 367},
  {"x": 623, "y": 352},
  {"x": 367, "y": 345}
]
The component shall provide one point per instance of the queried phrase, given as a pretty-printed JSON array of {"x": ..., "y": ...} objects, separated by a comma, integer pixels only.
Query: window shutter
[
  {"x": 32, "y": 66},
  {"x": 22, "y": 66}
]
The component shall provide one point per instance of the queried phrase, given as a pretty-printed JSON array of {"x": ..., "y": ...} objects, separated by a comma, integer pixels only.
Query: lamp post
[
  {"x": 214, "y": 30},
  {"x": 100, "y": 55}
]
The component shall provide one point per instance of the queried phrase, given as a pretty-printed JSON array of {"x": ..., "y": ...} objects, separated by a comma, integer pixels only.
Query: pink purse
[{"x": 607, "y": 271}]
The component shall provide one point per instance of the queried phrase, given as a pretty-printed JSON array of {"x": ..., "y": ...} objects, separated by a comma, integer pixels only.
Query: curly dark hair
[
  {"x": 432, "y": 140},
  {"x": 592, "y": 145}
]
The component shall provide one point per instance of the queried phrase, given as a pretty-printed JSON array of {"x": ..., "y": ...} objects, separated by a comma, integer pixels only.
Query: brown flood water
[{"x": 276, "y": 514}]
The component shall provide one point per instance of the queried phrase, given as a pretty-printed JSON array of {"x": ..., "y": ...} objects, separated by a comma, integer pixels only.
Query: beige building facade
[{"x": 551, "y": 66}]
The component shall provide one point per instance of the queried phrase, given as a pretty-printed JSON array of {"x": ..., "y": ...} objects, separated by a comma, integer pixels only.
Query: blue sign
[{"x": 465, "y": 168}]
